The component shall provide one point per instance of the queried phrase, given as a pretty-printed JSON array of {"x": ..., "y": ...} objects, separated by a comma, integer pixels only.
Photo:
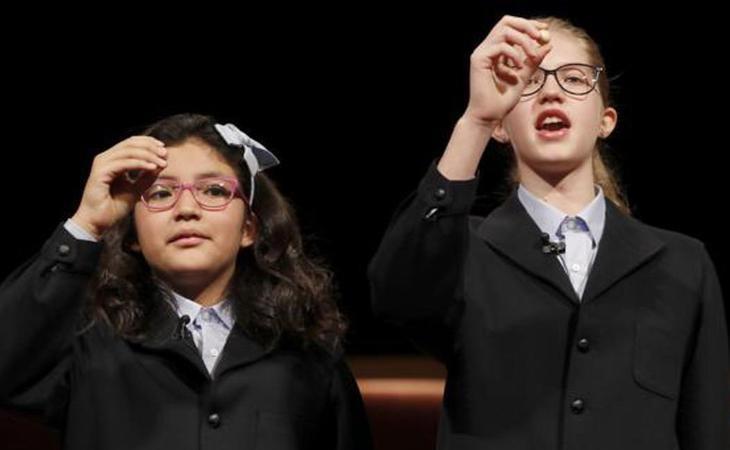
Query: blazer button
[
  {"x": 64, "y": 250},
  {"x": 584, "y": 345},
  {"x": 214, "y": 420},
  {"x": 439, "y": 193},
  {"x": 577, "y": 406}
]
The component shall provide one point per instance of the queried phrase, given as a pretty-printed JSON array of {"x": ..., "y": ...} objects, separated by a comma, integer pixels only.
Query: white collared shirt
[
  {"x": 210, "y": 326},
  {"x": 580, "y": 233}
]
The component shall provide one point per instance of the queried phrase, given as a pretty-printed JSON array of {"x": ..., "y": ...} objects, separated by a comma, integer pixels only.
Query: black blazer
[
  {"x": 105, "y": 392},
  {"x": 640, "y": 364}
]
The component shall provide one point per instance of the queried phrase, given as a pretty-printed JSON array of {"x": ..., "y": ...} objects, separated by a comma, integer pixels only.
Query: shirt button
[
  {"x": 439, "y": 193},
  {"x": 575, "y": 267},
  {"x": 214, "y": 420},
  {"x": 570, "y": 224},
  {"x": 214, "y": 352},
  {"x": 577, "y": 406},
  {"x": 64, "y": 250},
  {"x": 584, "y": 345}
]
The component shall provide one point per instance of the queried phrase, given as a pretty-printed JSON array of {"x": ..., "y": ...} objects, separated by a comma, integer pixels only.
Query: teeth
[{"x": 549, "y": 120}]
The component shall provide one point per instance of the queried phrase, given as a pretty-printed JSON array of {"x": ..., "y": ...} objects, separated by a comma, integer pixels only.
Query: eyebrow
[
  {"x": 571, "y": 64},
  {"x": 197, "y": 177}
]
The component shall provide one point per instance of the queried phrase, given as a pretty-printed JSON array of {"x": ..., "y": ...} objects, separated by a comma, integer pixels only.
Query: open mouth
[{"x": 552, "y": 124}]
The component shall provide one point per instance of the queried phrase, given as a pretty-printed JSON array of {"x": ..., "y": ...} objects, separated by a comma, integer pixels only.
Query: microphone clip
[
  {"x": 180, "y": 327},
  {"x": 551, "y": 248}
]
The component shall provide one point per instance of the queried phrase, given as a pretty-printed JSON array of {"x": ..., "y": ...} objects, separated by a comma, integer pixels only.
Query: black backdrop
[{"x": 356, "y": 100}]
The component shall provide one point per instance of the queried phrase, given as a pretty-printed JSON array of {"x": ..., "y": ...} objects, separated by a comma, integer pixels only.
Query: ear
[
  {"x": 608, "y": 122},
  {"x": 500, "y": 134},
  {"x": 250, "y": 230}
]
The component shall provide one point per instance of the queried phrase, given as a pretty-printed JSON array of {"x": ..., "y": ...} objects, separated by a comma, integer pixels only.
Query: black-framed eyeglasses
[
  {"x": 576, "y": 79},
  {"x": 213, "y": 193}
]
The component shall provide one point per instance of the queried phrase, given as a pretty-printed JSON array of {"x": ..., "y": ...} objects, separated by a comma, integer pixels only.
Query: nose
[
  {"x": 551, "y": 90},
  {"x": 186, "y": 204}
]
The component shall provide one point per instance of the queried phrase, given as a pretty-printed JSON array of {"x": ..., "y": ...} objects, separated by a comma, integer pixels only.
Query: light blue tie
[
  {"x": 212, "y": 338},
  {"x": 578, "y": 251}
]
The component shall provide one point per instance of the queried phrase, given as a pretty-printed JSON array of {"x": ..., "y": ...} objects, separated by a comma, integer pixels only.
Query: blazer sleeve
[
  {"x": 40, "y": 307},
  {"x": 352, "y": 428},
  {"x": 416, "y": 275},
  {"x": 703, "y": 418}
]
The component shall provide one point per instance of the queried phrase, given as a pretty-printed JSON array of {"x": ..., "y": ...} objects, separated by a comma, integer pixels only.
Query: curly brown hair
[{"x": 280, "y": 295}]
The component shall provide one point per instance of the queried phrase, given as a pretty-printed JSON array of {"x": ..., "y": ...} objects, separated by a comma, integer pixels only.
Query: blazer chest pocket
[{"x": 658, "y": 360}]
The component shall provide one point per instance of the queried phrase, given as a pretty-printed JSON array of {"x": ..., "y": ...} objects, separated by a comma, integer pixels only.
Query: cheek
[
  {"x": 588, "y": 134},
  {"x": 518, "y": 125},
  {"x": 520, "y": 132},
  {"x": 149, "y": 228},
  {"x": 228, "y": 228},
  {"x": 519, "y": 119},
  {"x": 589, "y": 117}
]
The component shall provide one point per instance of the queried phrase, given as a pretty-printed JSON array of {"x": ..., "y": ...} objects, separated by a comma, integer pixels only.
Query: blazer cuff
[
  {"x": 444, "y": 197},
  {"x": 71, "y": 254}
]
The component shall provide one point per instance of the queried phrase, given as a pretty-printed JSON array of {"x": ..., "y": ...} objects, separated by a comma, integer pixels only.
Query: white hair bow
[{"x": 256, "y": 157}]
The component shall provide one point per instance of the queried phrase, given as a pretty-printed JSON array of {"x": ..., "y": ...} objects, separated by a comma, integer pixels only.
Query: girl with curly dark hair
[{"x": 178, "y": 309}]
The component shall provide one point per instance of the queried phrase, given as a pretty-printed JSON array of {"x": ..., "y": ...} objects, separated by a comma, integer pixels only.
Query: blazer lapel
[
  {"x": 510, "y": 231},
  {"x": 625, "y": 245},
  {"x": 164, "y": 335},
  {"x": 239, "y": 350}
]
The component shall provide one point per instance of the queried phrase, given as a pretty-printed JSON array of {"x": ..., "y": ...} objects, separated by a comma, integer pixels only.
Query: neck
[
  {"x": 204, "y": 290},
  {"x": 570, "y": 192}
]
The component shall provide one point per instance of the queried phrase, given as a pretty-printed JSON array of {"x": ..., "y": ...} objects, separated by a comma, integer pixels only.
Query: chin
[
  {"x": 190, "y": 267},
  {"x": 555, "y": 166}
]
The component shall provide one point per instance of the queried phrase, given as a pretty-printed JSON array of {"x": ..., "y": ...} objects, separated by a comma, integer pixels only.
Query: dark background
[{"x": 356, "y": 100}]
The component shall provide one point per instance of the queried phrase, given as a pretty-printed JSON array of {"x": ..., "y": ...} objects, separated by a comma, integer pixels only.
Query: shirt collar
[
  {"x": 184, "y": 306},
  {"x": 548, "y": 218}
]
